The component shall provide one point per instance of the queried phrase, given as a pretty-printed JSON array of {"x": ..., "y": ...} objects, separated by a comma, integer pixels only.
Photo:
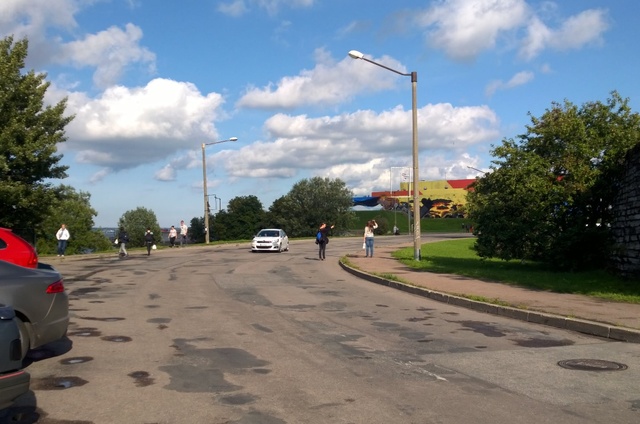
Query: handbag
[
  {"x": 364, "y": 245},
  {"x": 153, "y": 247}
]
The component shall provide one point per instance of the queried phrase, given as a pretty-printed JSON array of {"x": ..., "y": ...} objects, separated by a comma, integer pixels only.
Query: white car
[{"x": 270, "y": 240}]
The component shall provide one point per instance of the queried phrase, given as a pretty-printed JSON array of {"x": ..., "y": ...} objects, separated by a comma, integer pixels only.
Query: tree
[
  {"x": 549, "y": 195},
  {"x": 218, "y": 224},
  {"x": 29, "y": 134},
  {"x": 135, "y": 222},
  {"x": 245, "y": 216},
  {"x": 196, "y": 229},
  {"x": 311, "y": 202},
  {"x": 73, "y": 209}
]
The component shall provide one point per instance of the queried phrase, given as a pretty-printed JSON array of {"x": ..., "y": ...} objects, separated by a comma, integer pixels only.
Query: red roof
[{"x": 461, "y": 183}]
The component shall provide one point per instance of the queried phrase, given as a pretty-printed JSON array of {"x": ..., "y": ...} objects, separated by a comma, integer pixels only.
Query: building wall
[
  {"x": 626, "y": 225},
  {"x": 438, "y": 199}
]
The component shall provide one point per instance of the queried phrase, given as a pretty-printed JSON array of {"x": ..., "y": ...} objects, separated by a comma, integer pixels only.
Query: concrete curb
[{"x": 573, "y": 324}]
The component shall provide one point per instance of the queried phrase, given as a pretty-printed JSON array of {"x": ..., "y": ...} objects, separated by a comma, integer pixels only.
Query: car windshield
[{"x": 264, "y": 233}]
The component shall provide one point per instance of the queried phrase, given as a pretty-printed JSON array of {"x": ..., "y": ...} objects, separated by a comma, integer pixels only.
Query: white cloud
[
  {"x": 329, "y": 83},
  {"x": 464, "y": 28},
  {"x": 29, "y": 18},
  {"x": 110, "y": 52},
  {"x": 357, "y": 141},
  {"x": 576, "y": 32},
  {"x": 100, "y": 175},
  {"x": 237, "y": 8},
  {"x": 521, "y": 78},
  {"x": 167, "y": 173},
  {"x": 585, "y": 28},
  {"x": 127, "y": 127}
]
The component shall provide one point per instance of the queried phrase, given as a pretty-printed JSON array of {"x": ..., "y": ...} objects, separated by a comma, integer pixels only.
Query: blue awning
[{"x": 366, "y": 201}]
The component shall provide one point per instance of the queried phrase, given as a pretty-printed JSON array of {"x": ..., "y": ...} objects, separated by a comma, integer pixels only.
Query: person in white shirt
[
  {"x": 183, "y": 233},
  {"x": 63, "y": 239},
  {"x": 173, "y": 233},
  {"x": 368, "y": 238}
]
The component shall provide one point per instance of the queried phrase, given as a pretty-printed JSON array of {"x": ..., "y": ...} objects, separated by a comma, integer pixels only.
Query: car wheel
[{"x": 24, "y": 337}]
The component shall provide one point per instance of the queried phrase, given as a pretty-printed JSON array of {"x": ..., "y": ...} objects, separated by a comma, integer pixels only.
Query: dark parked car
[
  {"x": 39, "y": 300},
  {"x": 13, "y": 381},
  {"x": 17, "y": 250}
]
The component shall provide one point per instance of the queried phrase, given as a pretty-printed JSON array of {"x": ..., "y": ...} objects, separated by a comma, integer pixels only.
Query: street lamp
[
  {"x": 354, "y": 54},
  {"x": 476, "y": 169},
  {"x": 204, "y": 181}
]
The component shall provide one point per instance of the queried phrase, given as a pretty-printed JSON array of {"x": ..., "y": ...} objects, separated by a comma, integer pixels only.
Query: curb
[{"x": 572, "y": 324}]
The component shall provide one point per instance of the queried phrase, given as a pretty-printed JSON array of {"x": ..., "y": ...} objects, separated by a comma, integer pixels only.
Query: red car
[{"x": 17, "y": 250}]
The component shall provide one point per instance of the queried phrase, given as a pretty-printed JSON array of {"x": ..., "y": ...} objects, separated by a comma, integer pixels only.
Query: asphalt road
[{"x": 220, "y": 335}]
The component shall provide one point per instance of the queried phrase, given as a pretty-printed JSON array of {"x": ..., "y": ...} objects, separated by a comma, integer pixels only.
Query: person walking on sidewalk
[
  {"x": 63, "y": 239},
  {"x": 368, "y": 238},
  {"x": 123, "y": 239},
  {"x": 172, "y": 236},
  {"x": 323, "y": 240},
  {"x": 183, "y": 233},
  {"x": 149, "y": 240}
]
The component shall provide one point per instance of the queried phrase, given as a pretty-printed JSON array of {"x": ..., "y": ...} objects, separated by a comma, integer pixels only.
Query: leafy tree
[
  {"x": 549, "y": 196},
  {"x": 218, "y": 224},
  {"x": 136, "y": 222},
  {"x": 29, "y": 134},
  {"x": 245, "y": 216},
  {"x": 196, "y": 229},
  {"x": 311, "y": 202},
  {"x": 73, "y": 209}
]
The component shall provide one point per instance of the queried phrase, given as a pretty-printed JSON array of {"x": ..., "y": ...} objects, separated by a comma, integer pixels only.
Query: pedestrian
[
  {"x": 368, "y": 238},
  {"x": 323, "y": 240},
  {"x": 173, "y": 233},
  {"x": 148, "y": 240},
  {"x": 183, "y": 233},
  {"x": 63, "y": 239},
  {"x": 123, "y": 239}
]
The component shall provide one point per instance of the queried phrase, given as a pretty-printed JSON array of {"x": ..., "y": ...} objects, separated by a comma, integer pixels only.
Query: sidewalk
[{"x": 618, "y": 321}]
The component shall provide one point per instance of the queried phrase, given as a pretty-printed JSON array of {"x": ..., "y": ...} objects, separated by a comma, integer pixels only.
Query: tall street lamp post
[
  {"x": 204, "y": 184},
  {"x": 354, "y": 54}
]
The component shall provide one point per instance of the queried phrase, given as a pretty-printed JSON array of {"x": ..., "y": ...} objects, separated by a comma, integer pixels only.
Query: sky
[{"x": 150, "y": 81}]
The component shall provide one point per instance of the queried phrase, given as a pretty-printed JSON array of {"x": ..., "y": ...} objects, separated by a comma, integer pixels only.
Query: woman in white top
[{"x": 368, "y": 238}]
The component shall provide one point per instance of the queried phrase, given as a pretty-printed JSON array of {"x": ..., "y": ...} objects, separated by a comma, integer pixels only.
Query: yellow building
[{"x": 442, "y": 198}]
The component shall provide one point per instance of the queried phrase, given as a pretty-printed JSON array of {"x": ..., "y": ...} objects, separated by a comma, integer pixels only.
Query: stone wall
[{"x": 626, "y": 223}]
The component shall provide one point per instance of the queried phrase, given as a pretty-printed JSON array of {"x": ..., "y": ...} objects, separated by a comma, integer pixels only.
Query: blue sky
[{"x": 149, "y": 81}]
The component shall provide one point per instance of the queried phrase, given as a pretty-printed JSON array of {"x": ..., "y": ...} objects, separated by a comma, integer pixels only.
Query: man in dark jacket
[
  {"x": 148, "y": 240},
  {"x": 123, "y": 239},
  {"x": 324, "y": 240}
]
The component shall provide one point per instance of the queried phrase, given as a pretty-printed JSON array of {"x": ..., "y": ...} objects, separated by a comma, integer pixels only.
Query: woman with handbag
[{"x": 368, "y": 238}]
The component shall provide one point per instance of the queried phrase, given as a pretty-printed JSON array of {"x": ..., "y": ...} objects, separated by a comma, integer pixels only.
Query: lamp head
[
  {"x": 233, "y": 139},
  {"x": 355, "y": 54}
]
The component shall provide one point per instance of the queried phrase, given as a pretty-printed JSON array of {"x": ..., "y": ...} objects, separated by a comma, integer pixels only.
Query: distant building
[{"x": 438, "y": 199}]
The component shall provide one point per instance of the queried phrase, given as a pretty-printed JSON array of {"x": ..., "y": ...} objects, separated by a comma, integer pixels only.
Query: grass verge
[{"x": 458, "y": 257}]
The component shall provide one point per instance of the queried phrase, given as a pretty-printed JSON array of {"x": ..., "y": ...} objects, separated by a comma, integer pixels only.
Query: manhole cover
[{"x": 592, "y": 365}]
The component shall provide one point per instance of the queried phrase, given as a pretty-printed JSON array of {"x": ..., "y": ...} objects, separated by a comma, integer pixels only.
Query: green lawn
[
  {"x": 429, "y": 225},
  {"x": 457, "y": 257}
]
